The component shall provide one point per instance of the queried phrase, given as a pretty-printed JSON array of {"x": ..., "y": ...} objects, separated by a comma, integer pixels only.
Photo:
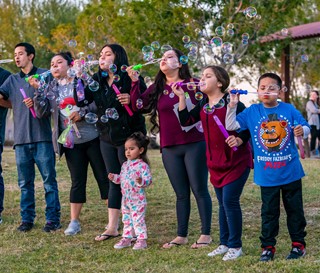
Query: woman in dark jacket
[{"x": 113, "y": 130}]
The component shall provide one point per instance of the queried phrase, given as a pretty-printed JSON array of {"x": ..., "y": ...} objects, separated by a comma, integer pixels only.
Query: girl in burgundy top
[
  {"x": 228, "y": 169},
  {"x": 183, "y": 148}
]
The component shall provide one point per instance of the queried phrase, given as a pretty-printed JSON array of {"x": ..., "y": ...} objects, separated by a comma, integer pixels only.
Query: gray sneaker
[{"x": 73, "y": 228}]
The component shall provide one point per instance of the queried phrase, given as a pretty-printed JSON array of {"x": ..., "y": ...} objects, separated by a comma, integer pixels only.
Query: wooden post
[{"x": 285, "y": 72}]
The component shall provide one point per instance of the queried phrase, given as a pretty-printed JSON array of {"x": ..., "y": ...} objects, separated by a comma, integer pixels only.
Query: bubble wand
[
  {"x": 37, "y": 76},
  {"x": 6, "y": 61},
  {"x": 23, "y": 93},
  {"x": 246, "y": 92},
  {"x": 299, "y": 138},
  {"x": 222, "y": 129},
  {"x": 139, "y": 66},
  {"x": 115, "y": 88}
]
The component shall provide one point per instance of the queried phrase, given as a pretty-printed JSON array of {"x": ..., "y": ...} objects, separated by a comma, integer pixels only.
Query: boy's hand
[
  {"x": 298, "y": 131},
  {"x": 111, "y": 176},
  {"x": 234, "y": 99}
]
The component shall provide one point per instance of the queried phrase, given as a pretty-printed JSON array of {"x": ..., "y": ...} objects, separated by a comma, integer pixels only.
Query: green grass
[{"x": 37, "y": 251}]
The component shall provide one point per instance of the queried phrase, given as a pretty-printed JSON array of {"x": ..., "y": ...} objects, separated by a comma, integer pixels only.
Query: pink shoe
[
  {"x": 140, "y": 244},
  {"x": 123, "y": 243}
]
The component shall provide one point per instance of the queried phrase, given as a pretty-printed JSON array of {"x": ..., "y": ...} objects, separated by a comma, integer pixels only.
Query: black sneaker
[
  {"x": 298, "y": 251},
  {"x": 51, "y": 226},
  {"x": 25, "y": 226},
  {"x": 267, "y": 254}
]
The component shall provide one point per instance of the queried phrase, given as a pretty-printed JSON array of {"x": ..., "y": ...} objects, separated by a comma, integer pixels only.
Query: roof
[{"x": 306, "y": 31}]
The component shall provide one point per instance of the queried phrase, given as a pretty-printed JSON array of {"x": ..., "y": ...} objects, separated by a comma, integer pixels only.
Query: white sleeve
[
  {"x": 231, "y": 123},
  {"x": 306, "y": 131}
]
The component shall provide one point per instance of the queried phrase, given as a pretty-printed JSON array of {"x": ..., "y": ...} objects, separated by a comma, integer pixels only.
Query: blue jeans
[
  {"x": 230, "y": 215},
  {"x": 41, "y": 154},
  {"x": 1, "y": 182}
]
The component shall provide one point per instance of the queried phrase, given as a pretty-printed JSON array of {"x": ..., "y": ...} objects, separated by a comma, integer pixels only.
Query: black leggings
[
  {"x": 315, "y": 134},
  {"x": 186, "y": 167},
  {"x": 113, "y": 157},
  {"x": 78, "y": 160}
]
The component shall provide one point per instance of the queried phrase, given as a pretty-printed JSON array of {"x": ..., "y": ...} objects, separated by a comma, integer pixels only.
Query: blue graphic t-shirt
[{"x": 276, "y": 158}]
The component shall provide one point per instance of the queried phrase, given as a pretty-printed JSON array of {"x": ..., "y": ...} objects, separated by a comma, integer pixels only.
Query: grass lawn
[{"x": 37, "y": 251}]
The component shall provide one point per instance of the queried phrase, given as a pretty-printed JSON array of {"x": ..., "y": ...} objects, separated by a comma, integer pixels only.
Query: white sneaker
[
  {"x": 73, "y": 228},
  {"x": 232, "y": 254},
  {"x": 221, "y": 249}
]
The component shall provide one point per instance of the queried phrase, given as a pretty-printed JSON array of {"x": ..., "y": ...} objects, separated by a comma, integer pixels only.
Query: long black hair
[
  {"x": 159, "y": 85},
  {"x": 121, "y": 58}
]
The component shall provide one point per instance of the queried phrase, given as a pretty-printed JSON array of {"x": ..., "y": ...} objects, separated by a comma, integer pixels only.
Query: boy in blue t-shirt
[{"x": 277, "y": 168}]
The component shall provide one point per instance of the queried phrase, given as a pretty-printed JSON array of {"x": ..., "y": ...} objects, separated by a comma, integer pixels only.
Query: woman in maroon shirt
[{"x": 183, "y": 148}]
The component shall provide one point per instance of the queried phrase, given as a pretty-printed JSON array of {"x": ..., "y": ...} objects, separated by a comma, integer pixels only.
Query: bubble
[
  {"x": 220, "y": 30},
  {"x": 192, "y": 56},
  {"x": 304, "y": 58},
  {"x": 91, "y": 45},
  {"x": 148, "y": 56},
  {"x": 220, "y": 104},
  {"x": 230, "y": 32},
  {"x": 71, "y": 72},
  {"x": 113, "y": 68},
  {"x": 284, "y": 89},
  {"x": 147, "y": 80},
  {"x": 165, "y": 92},
  {"x": 245, "y": 41},
  {"x": 139, "y": 103},
  {"x": 85, "y": 102},
  {"x": 284, "y": 32},
  {"x": 226, "y": 47},
  {"x": 308, "y": 87},
  {"x": 82, "y": 113},
  {"x": 90, "y": 57},
  {"x": 165, "y": 48},
  {"x": 72, "y": 43},
  {"x": 51, "y": 110},
  {"x": 42, "y": 103},
  {"x": 93, "y": 86},
  {"x": 171, "y": 95},
  {"x": 191, "y": 86},
  {"x": 123, "y": 68},
  {"x": 112, "y": 113},
  {"x": 91, "y": 118},
  {"x": 199, "y": 127},
  {"x": 207, "y": 109},
  {"x": 245, "y": 36},
  {"x": 116, "y": 78},
  {"x": 228, "y": 58},
  {"x": 192, "y": 46},
  {"x": 230, "y": 26},
  {"x": 216, "y": 41},
  {"x": 104, "y": 119},
  {"x": 186, "y": 39},
  {"x": 251, "y": 12},
  {"x": 198, "y": 96},
  {"x": 228, "y": 98},
  {"x": 155, "y": 45},
  {"x": 183, "y": 59},
  {"x": 50, "y": 95},
  {"x": 100, "y": 18},
  {"x": 104, "y": 74},
  {"x": 197, "y": 31},
  {"x": 258, "y": 17},
  {"x": 147, "y": 49}
]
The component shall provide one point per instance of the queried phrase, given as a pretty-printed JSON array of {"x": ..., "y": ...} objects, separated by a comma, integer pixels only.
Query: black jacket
[{"x": 114, "y": 131}]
